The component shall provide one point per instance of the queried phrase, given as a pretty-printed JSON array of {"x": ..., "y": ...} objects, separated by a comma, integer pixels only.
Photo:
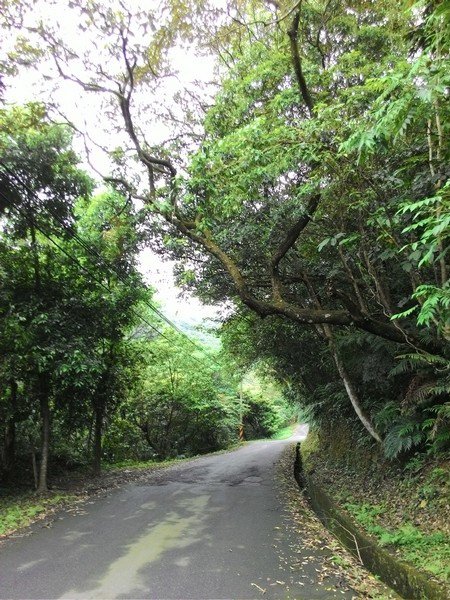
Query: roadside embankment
[{"x": 393, "y": 517}]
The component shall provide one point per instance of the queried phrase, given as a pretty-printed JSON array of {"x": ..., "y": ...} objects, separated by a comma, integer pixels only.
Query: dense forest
[
  {"x": 88, "y": 371},
  {"x": 304, "y": 185}
]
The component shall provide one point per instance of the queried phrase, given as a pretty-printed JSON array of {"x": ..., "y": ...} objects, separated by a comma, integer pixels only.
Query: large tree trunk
[
  {"x": 98, "y": 429},
  {"x": 45, "y": 433},
  {"x": 90, "y": 435}
]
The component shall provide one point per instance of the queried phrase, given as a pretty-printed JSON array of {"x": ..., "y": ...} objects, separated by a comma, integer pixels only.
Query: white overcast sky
[{"x": 83, "y": 110}]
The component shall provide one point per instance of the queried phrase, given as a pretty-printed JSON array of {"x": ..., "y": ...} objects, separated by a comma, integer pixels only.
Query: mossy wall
[{"x": 342, "y": 443}]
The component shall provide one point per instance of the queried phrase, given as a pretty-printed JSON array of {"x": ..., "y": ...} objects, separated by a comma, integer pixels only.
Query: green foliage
[
  {"x": 413, "y": 96},
  {"x": 261, "y": 418},
  {"x": 70, "y": 316},
  {"x": 427, "y": 551},
  {"x": 69, "y": 299},
  {"x": 366, "y": 515},
  {"x": 423, "y": 419},
  {"x": 435, "y": 305},
  {"x": 17, "y": 512},
  {"x": 402, "y": 437},
  {"x": 377, "y": 244},
  {"x": 181, "y": 403},
  {"x": 371, "y": 261}
]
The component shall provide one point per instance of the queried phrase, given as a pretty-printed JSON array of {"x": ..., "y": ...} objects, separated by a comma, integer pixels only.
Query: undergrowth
[
  {"x": 403, "y": 504},
  {"x": 151, "y": 464},
  {"x": 426, "y": 551},
  {"x": 19, "y": 511}
]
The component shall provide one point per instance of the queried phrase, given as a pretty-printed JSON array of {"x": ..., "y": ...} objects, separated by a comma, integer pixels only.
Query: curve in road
[{"x": 213, "y": 527}]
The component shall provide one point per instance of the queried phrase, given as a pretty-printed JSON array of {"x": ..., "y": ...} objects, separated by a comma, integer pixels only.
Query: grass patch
[
  {"x": 430, "y": 552},
  {"x": 284, "y": 434},
  {"x": 427, "y": 551},
  {"x": 366, "y": 515},
  {"x": 19, "y": 511}
]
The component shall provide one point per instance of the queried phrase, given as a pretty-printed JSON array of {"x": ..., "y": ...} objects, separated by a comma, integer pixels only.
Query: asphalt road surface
[{"x": 213, "y": 527}]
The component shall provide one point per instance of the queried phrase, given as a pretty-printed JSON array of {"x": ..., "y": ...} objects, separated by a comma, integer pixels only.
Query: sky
[
  {"x": 177, "y": 307},
  {"x": 84, "y": 110}
]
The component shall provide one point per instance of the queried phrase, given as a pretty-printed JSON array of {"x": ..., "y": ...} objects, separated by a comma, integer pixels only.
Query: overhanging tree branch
[
  {"x": 290, "y": 238},
  {"x": 293, "y": 233},
  {"x": 194, "y": 230},
  {"x": 338, "y": 317},
  {"x": 297, "y": 61}
]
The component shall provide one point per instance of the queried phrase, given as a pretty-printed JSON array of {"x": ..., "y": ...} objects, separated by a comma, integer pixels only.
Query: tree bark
[
  {"x": 297, "y": 62},
  {"x": 9, "y": 448},
  {"x": 45, "y": 433},
  {"x": 34, "y": 247},
  {"x": 353, "y": 281},
  {"x": 35, "y": 469},
  {"x": 352, "y": 393}
]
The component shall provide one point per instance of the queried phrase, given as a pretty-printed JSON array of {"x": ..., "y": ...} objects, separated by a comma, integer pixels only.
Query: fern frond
[{"x": 402, "y": 437}]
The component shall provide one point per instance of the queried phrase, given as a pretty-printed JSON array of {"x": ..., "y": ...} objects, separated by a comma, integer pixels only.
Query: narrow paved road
[{"x": 213, "y": 527}]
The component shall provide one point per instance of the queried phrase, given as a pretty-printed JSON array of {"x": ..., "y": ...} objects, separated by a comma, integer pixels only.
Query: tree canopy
[{"x": 308, "y": 185}]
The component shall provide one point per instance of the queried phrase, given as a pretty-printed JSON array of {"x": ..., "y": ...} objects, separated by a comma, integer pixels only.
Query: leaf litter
[{"x": 339, "y": 571}]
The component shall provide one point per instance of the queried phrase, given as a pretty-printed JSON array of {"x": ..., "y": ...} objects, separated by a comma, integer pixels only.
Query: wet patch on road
[{"x": 177, "y": 531}]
